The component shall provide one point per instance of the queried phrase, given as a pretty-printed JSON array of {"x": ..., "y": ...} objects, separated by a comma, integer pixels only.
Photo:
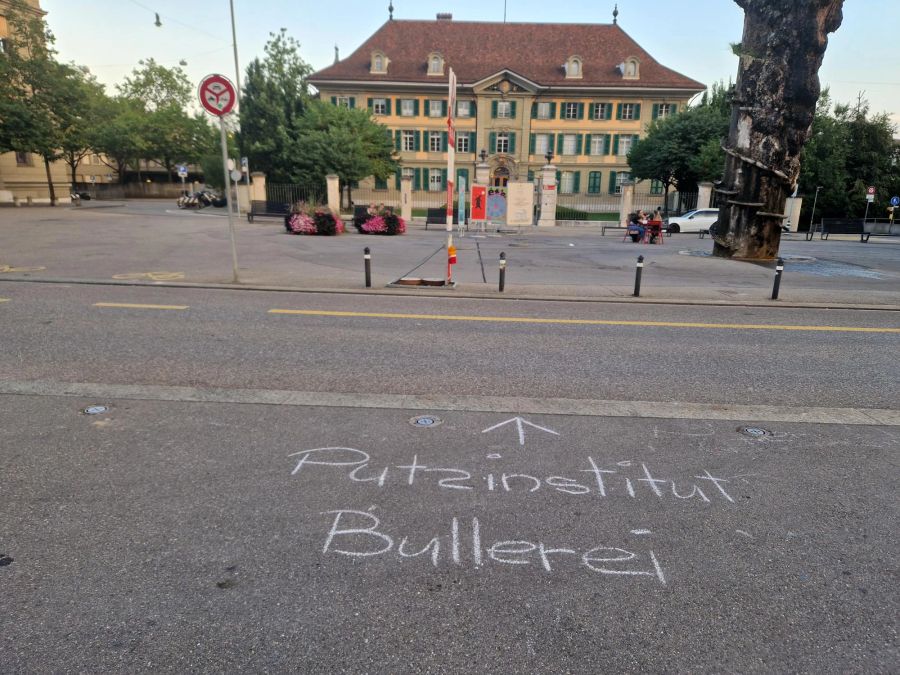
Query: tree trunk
[
  {"x": 771, "y": 118},
  {"x": 50, "y": 182}
]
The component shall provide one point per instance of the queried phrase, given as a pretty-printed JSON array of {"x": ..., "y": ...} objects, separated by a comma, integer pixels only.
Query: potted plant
[
  {"x": 311, "y": 219},
  {"x": 379, "y": 220}
]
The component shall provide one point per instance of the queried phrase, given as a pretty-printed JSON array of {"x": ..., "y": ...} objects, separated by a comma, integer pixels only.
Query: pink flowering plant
[
  {"x": 381, "y": 220},
  {"x": 311, "y": 219}
]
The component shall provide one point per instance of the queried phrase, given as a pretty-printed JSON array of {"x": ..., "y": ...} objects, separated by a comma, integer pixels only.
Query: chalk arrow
[{"x": 519, "y": 425}]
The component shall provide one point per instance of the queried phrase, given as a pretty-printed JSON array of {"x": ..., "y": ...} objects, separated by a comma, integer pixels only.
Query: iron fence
[
  {"x": 292, "y": 194},
  {"x": 364, "y": 196},
  {"x": 607, "y": 207}
]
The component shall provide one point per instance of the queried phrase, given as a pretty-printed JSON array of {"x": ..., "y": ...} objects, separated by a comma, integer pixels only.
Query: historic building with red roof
[{"x": 584, "y": 93}]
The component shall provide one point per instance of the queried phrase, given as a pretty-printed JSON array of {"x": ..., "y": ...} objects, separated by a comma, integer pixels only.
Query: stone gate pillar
[
  {"x": 334, "y": 194},
  {"x": 406, "y": 198},
  {"x": 704, "y": 195},
  {"x": 548, "y": 196},
  {"x": 626, "y": 206},
  {"x": 258, "y": 186}
]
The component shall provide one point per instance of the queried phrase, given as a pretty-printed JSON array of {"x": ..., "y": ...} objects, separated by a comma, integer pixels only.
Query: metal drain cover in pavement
[
  {"x": 95, "y": 410},
  {"x": 425, "y": 421},
  {"x": 755, "y": 432}
]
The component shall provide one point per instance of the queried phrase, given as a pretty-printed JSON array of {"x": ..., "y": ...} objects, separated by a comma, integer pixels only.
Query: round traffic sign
[
  {"x": 217, "y": 95},
  {"x": 895, "y": 201},
  {"x": 236, "y": 175},
  {"x": 870, "y": 190}
]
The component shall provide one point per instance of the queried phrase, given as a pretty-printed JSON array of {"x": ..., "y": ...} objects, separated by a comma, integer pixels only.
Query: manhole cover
[
  {"x": 755, "y": 432},
  {"x": 425, "y": 421},
  {"x": 95, "y": 410}
]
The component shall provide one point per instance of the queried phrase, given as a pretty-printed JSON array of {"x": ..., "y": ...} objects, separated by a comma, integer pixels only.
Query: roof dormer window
[
  {"x": 379, "y": 63},
  {"x": 435, "y": 64},
  {"x": 572, "y": 67},
  {"x": 630, "y": 68}
]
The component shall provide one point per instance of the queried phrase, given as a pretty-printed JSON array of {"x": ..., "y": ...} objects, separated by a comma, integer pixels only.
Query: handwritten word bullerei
[
  {"x": 360, "y": 534},
  {"x": 629, "y": 479}
]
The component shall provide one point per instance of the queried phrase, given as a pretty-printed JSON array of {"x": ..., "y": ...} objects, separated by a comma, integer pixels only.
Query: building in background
[{"x": 584, "y": 93}]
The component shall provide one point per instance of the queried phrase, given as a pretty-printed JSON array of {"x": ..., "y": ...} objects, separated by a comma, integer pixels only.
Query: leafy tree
[
  {"x": 155, "y": 86},
  {"x": 333, "y": 139},
  {"x": 84, "y": 97},
  {"x": 274, "y": 98},
  {"x": 173, "y": 136},
  {"x": 119, "y": 135}
]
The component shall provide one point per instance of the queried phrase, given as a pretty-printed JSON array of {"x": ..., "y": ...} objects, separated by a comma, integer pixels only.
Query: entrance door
[{"x": 501, "y": 177}]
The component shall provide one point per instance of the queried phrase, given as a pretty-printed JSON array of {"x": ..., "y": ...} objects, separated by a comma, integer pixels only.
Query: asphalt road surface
[{"x": 336, "y": 483}]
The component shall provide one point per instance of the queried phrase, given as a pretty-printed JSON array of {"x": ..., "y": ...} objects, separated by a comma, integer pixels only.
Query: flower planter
[
  {"x": 381, "y": 223},
  {"x": 321, "y": 221}
]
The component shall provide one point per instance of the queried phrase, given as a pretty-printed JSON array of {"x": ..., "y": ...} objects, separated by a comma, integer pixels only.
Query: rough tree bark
[{"x": 774, "y": 102}]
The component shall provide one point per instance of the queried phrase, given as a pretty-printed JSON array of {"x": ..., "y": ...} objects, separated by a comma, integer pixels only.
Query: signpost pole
[
  {"x": 224, "y": 140},
  {"x": 451, "y": 169}
]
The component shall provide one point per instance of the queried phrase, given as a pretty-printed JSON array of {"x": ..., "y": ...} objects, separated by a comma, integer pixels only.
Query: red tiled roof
[{"x": 476, "y": 50}]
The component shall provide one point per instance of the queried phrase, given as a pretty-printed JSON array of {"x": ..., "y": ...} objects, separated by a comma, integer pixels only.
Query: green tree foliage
[
  {"x": 343, "y": 141},
  {"x": 85, "y": 97},
  {"x": 274, "y": 98},
  {"x": 155, "y": 86},
  {"x": 174, "y": 137},
  {"x": 119, "y": 135}
]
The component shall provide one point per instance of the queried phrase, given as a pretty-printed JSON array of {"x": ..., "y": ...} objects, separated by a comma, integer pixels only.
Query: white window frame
[
  {"x": 408, "y": 141},
  {"x": 626, "y": 142},
  {"x": 464, "y": 108},
  {"x": 379, "y": 106},
  {"x": 543, "y": 111},
  {"x": 663, "y": 110},
  {"x": 408, "y": 172},
  {"x": 628, "y": 111},
  {"x": 342, "y": 101},
  {"x": 599, "y": 108},
  {"x": 541, "y": 144},
  {"x": 378, "y": 63},
  {"x": 567, "y": 183},
  {"x": 571, "y": 111},
  {"x": 503, "y": 142},
  {"x": 438, "y": 184},
  {"x": 598, "y": 143},
  {"x": 621, "y": 178},
  {"x": 435, "y": 65},
  {"x": 407, "y": 107},
  {"x": 435, "y": 108},
  {"x": 504, "y": 109},
  {"x": 462, "y": 142},
  {"x": 434, "y": 141},
  {"x": 570, "y": 144}
]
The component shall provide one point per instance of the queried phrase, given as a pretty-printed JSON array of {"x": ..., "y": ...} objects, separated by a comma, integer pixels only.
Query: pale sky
[{"x": 693, "y": 37}]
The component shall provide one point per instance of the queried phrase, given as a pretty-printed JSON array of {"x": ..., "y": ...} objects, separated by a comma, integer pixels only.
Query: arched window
[
  {"x": 435, "y": 64},
  {"x": 573, "y": 67},
  {"x": 631, "y": 68},
  {"x": 379, "y": 62}
]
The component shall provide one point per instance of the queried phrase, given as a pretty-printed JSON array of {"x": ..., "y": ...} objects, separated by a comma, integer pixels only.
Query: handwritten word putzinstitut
[{"x": 628, "y": 479}]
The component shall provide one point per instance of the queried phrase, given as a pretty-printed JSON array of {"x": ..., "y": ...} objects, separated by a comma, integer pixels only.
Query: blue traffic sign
[{"x": 895, "y": 201}]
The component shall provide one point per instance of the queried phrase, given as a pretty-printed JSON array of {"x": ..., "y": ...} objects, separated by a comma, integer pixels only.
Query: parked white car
[{"x": 693, "y": 221}]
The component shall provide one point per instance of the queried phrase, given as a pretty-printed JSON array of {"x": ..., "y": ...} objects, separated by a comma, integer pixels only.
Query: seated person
[{"x": 635, "y": 229}]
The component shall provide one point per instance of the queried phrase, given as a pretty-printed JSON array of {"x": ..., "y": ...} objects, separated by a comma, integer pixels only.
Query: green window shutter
[
  {"x": 427, "y": 108},
  {"x": 493, "y": 109},
  {"x": 634, "y": 139},
  {"x": 416, "y": 107},
  {"x": 397, "y": 139},
  {"x": 462, "y": 173},
  {"x": 618, "y": 111},
  {"x": 615, "y": 149},
  {"x": 607, "y": 144},
  {"x": 551, "y": 140},
  {"x": 512, "y": 109},
  {"x": 493, "y": 142},
  {"x": 576, "y": 186},
  {"x": 387, "y": 106},
  {"x": 444, "y": 108},
  {"x": 443, "y": 141},
  {"x": 559, "y": 143},
  {"x": 443, "y": 179},
  {"x": 417, "y": 142},
  {"x": 609, "y": 110},
  {"x": 587, "y": 144},
  {"x": 612, "y": 182},
  {"x": 472, "y": 142},
  {"x": 637, "y": 111},
  {"x": 593, "y": 182},
  {"x": 334, "y": 100},
  {"x": 352, "y": 102},
  {"x": 673, "y": 108},
  {"x": 397, "y": 176},
  {"x": 381, "y": 184},
  {"x": 534, "y": 111},
  {"x": 562, "y": 112},
  {"x": 531, "y": 143},
  {"x": 553, "y": 110},
  {"x": 581, "y": 111},
  {"x": 369, "y": 103},
  {"x": 512, "y": 143},
  {"x": 655, "y": 112},
  {"x": 579, "y": 139},
  {"x": 558, "y": 179},
  {"x": 398, "y": 105},
  {"x": 530, "y": 175},
  {"x": 417, "y": 179}
]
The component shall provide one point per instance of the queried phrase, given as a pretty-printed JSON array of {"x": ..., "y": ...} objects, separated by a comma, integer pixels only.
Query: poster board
[{"x": 520, "y": 203}]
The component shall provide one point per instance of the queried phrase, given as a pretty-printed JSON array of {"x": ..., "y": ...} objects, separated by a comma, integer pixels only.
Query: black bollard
[
  {"x": 367, "y": 257},
  {"x": 779, "y": 268},
  {"x": 502, "y": 271},
  {"x": 637, "y": 276}
]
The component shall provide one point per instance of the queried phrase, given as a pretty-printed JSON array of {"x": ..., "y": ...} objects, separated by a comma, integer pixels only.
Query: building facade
[{"x": 579, "y": 94}]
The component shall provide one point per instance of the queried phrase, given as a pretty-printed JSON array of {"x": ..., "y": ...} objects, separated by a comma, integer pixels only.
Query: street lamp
[{"x": 812, "y": 216}]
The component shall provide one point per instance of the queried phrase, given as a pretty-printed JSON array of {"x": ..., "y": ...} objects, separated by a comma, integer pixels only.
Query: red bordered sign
[{"x": 217, "y": 95}]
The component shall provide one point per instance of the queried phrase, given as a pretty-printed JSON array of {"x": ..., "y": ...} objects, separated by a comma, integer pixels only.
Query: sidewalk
[{"x": 154, "y": 243}]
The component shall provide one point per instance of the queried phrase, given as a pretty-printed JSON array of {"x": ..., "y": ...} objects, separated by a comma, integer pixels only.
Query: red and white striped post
[{"x": 451, "y": 171}]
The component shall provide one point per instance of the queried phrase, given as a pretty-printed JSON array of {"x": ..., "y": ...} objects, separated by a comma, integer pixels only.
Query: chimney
[{"x": 444, "y": 16}]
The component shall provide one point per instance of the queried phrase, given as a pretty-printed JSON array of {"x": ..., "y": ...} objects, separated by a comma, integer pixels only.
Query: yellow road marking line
[
  {"x": 4, "y": 299},
  {"x": 129, "y": 305},
  {"x": 588, "y": 322}
]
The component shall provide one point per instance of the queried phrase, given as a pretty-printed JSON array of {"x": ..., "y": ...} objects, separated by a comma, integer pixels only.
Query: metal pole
[
  {"x": 224, "y": 140},
  {"x": 367, "y": 257},
  {"x": 866, "y": 216},
  {"x": 812, "y": 216},
  {"x": 451, "y": 168},
  {"x": 502, "y": 271},
  {"x": 779, "y": 268},
  {"x": 637, "y": 276},
  {"x": 237, "y": 70}
]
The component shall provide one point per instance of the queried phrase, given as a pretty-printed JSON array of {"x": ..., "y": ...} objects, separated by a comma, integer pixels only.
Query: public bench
[
  {"x": 844, "y": 226},
  {"x": 266, "y": 208},
  {"x": 882, "y": 229}
]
